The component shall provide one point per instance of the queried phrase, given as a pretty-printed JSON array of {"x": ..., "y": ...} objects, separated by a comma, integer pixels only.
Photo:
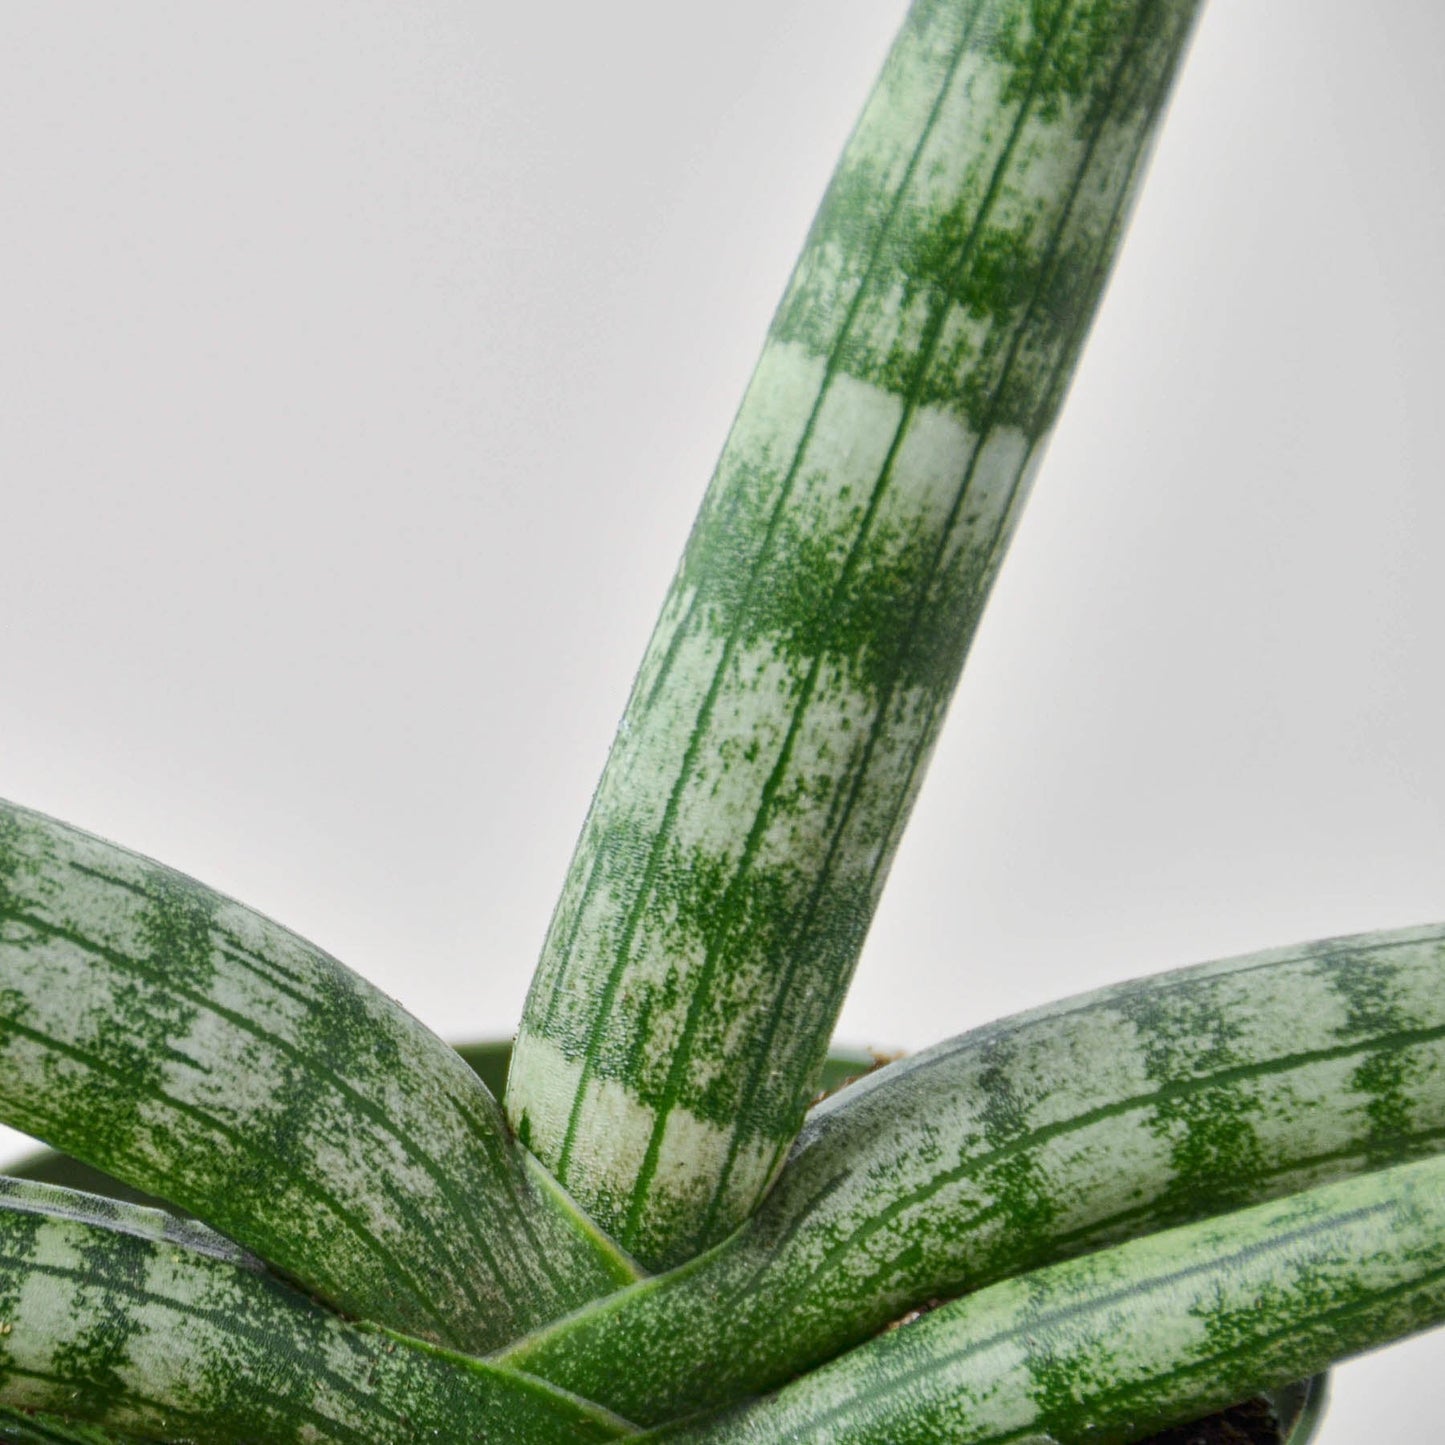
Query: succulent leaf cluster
[{"x": 280, "y": 1209}]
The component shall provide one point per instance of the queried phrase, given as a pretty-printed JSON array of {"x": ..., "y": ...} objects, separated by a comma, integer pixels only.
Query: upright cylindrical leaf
[{"x": 788, "y": 701}]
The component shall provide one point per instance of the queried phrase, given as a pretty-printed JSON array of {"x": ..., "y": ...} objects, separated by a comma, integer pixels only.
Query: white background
[{"x": 361, "y": 366}]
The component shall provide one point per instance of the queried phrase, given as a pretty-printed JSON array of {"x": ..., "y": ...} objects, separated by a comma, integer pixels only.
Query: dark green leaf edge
[{"x": 1314, "y": 1398}]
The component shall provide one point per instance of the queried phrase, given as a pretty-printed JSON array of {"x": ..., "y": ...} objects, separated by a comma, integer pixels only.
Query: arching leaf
[
  {"x": 202, "y": 1054},
  {"x": 1041, "y": 1136},
  {"x": 1125, "y": 1342},
  {"x": 126, "y": 1319}
]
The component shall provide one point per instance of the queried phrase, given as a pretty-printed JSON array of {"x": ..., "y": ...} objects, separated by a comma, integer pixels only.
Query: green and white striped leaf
[
  {"x": 1111, "y": 1348},
  {"x": 125, "y": 1318},
  {"x": 488, "y": 1061},
  {"x": 491, "y": 1060},
  {"x": 786, "y": 706},
  {"x": 201, "y": 1053},
  {"x": 1094, "y": 1119}
]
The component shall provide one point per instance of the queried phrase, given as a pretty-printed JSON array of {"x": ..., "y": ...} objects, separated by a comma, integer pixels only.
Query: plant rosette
[{"x": 1093, "y": 1221}]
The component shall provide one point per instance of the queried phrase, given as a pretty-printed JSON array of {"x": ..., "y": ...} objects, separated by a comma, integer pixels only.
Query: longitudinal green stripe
[
  {"x": 1110, "y": 1348},
  {"x": 490, "y": 1062},
  {"x": 791, "y": 693},
  {"x": 201, "y": 1053},
  {"x": 20, "y": 1428},
  {"x": 124, "y": 1318},
  {"x": 1095, "y": 1119}
]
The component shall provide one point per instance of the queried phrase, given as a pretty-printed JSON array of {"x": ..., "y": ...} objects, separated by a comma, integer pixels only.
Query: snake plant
[{"x": 278, "y": 1208}]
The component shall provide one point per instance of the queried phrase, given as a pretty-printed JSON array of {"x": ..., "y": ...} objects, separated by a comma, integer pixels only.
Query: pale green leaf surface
[
  {"x": 488, "y": 1061},
  {"x": 1040, "y": 1136},
  {"x": 203, "y": 1054},
  {"x": 1110, "y": 1348},
  {"x": 789, "y": 699},
  {"x": 127, "y": 1319}
]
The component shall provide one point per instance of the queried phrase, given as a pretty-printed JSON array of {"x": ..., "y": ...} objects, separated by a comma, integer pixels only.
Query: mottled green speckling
[
  {"x": 1020, "y": 1189},
  {"x": 119, "y": 1318},
  {"x": 1210, "y": 1132},
  {"x": 1132, "y": 1339},
  {"x": 1095, "y": 1119},
  {"x": 788, "y": 702},
  {"x": 1374, "y": 1002},
  {"x": 199, "y": 1052}
]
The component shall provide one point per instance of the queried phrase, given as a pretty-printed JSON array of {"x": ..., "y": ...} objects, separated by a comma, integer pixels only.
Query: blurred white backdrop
[{"x": 362, "y": 365}]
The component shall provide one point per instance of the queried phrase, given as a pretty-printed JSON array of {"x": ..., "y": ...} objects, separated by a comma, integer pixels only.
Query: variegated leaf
[
  {"x": 1113, "y": 1347},
  {"x": 789, "y": 699},
  {"x": 1041, "y": 1136},
  {"x": 124, "y": 1318},
  {"x": 199, "y": 1052}
]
